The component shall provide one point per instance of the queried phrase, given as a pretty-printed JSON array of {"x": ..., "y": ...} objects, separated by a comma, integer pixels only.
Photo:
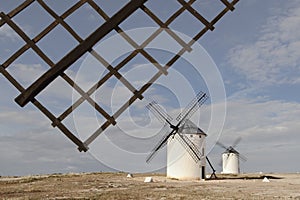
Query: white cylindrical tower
[
  {"x": 180, "y": 163},
  {"x": 231, "y": 163}
]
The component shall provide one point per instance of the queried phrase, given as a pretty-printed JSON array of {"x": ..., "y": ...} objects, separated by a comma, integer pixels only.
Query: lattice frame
[{"x": 86, "y": 45}]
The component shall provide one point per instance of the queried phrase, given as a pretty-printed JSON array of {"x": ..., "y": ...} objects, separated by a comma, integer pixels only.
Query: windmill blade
[
  {"x": 190, "y": 147},
  {"x": 236, "y": 142},
  {"x": 242, "y": 157},
  {"x": 192, "y": 107},
  {"x": 187, "y": 147},
  {"x": 157, "y": 115},
  {"x": 221, "y": 145},
  {"x": 159, "y": 145},
  {"x": 159, "y": 112}
]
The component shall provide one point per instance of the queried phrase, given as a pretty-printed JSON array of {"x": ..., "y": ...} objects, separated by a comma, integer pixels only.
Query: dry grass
[{"x": 118, "y": 186}]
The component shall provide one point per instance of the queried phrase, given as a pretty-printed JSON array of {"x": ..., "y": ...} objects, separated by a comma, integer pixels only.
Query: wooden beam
[
  {"x": 77, "y": 52},
  {"x": 196, "y": 14},
  {"x": 229, "y": 5},
  {"x": 17, "y": 10},
  {"x": 166, "y": 28},
  {"x": 45, "y": 111}
]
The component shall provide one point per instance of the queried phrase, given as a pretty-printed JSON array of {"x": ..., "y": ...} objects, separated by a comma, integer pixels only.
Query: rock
[
  {"x": 266, "y": 180},
  {"x": 129, "y": 176},
  {"x": 148, "y": 180}
]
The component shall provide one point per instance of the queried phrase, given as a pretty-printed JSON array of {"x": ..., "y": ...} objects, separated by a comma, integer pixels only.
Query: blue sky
[{"x": 255, "y": 49}]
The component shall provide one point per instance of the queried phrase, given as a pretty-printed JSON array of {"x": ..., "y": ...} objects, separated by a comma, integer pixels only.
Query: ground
[{"x": 118, "y": 186}]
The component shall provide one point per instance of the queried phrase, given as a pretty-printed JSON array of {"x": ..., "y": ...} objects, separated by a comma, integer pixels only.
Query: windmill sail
[
  {"x": 190, "y": 147},
  {"x": 231, "y": 149},
  {"x": 159, "y": 145},
  {"x": 159, "y": 112},
  {"x": 192, "y": 107}
]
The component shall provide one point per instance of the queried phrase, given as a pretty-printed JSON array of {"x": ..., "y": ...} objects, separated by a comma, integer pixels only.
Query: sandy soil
[{"x": 118, "y": 186}]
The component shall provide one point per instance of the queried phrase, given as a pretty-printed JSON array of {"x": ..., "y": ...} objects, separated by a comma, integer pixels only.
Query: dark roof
[
  {"x": 231, "y": 150},
  {"x": 190, "y": 128}
]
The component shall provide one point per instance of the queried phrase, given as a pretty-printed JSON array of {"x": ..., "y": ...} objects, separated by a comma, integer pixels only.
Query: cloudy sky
[{"x": 256, "y": 54}]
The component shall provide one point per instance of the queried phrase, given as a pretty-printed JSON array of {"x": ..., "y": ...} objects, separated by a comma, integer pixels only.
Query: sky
[{"x": 249, "y": 66}]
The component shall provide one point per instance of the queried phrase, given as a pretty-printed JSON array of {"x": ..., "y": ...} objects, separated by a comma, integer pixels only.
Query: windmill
[
  {"x": 231, "y": 158},
  {"x": 185, "y": 142}
]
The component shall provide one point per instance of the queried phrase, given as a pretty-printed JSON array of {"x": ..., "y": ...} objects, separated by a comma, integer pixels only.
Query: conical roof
[
  {"x": 231, "y": 150},
  {"x": 190, "y": 128}
]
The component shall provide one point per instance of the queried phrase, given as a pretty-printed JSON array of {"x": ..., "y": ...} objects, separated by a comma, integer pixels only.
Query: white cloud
[
  {"x": 43, "y": 152},
  {"x": 57, "y": 97},
  {"x": 29, "y": 145},
  {"x": 269, "y": 122},
  {"x": 274, "y": 57},
  {"x": 6, "y": 33},
  {"x": 26, "y": 73},
  {"x": 13, "y": 117}
]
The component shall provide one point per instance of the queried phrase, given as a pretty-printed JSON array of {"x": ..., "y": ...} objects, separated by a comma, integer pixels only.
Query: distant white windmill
[
  {"x": 185, "y": 142},
  {"x": 231, "y": 158}
]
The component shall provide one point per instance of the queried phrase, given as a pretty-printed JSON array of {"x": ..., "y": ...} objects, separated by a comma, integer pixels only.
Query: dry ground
[{"x": 118, "y": 186}]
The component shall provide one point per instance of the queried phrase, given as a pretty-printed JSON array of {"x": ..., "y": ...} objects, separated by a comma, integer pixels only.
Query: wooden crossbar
[{"x": 77, "y": 52}]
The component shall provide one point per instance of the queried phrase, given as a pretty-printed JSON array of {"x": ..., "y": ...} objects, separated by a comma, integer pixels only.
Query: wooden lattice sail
[{"x": 86, "y": 45}]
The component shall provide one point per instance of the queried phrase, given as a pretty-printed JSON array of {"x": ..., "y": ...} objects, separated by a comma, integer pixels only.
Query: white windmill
[
  {"x": 185, "y": 143},
  {"x": 231, "y": 158},
  {"x": 182, "y": 164}
]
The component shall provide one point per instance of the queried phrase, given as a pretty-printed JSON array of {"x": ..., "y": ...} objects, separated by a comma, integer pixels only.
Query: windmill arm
[
  {"x": 242, "y": 157},
  {"x": 159, "y": 145},
  {"x": 159, "y": 113},
  {"x": 190, "y": 147},
  {"x": 193, "y": 146},
  {"x": 192, "y": 107},
  {"x": 221, "y": 145}
]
